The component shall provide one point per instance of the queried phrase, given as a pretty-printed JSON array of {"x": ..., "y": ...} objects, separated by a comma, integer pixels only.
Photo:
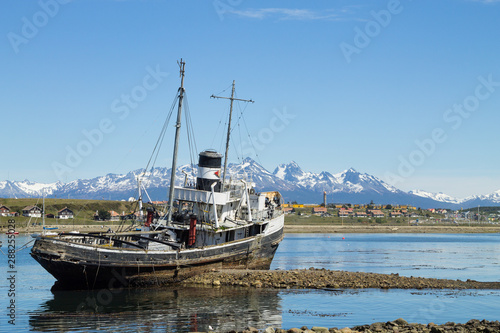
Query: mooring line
[{"x": 25, "y": 246}]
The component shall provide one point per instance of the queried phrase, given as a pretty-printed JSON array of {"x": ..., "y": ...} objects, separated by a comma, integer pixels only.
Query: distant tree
[
  {"x": 294, "y": 202},
  {"x": 322, "y": 204},
  {"x": 388, "y": 207},
  {"x": 104, "y": 215}
]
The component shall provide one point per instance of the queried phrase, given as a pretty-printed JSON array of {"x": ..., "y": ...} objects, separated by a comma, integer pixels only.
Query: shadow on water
[{"x": 173, "y": 310}]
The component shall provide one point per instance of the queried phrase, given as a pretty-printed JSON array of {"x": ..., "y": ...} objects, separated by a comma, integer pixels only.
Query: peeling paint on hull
[{"x": 80, "y": 266}]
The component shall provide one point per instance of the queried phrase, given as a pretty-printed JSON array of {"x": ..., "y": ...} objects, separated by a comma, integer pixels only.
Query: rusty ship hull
[{"x": 83, "y": 266}]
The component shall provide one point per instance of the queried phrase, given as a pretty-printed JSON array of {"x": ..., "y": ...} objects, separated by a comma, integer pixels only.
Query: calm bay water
[
  {"x": 445, "y": 256},
  {"x": 190, "y": 309}
]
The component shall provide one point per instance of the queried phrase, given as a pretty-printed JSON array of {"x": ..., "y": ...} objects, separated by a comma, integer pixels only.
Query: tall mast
[
  {"x": 139, "y": 178},
  {"x": 43, "y": 213},
  {"x": 229, "y": 128},
  {"x": 176, "y": 143}
]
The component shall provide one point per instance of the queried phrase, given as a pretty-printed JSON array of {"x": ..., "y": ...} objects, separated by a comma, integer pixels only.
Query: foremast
[{"x": 176, "y": 143}]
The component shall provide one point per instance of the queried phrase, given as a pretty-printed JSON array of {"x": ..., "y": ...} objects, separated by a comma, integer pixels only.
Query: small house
[
  {"x": 32, "y": 211},
  {"x": 4, "y": 210},
  {"x": 376, "y": 213},
  {"x": 65, "y": 214},
  {"x": 114, "y": 216},
  {"x": 319, "y": 210},
  {"x": 343, "y": 213},
  {"x": 395, "y": 214}
]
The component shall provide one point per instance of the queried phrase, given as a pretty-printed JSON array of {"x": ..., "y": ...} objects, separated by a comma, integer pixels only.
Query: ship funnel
[{"x": 209, "y": 165}]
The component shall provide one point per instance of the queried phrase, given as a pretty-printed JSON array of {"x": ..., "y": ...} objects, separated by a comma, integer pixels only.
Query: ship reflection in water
[{"x": 172, "y": 310}]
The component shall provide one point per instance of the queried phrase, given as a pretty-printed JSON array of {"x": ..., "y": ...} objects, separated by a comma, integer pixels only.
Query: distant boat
[
  {"x": 12, "y": 233},
  {"x": 221, "y": 223}
]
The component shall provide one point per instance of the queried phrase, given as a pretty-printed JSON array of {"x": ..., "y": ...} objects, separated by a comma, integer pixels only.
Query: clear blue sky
[{"x": 336, "y": 84}]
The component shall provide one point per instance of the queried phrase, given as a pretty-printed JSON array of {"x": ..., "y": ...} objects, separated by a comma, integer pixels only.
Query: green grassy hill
[{"x": 83, "y": 210}]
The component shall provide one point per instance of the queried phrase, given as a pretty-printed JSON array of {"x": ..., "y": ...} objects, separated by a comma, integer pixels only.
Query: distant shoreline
[
  {"x": 390, "y": 229},
  {"x": 318, "y": 228}
]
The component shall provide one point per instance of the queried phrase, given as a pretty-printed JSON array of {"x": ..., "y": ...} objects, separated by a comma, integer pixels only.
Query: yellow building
[{"x": 310, "y": 205}]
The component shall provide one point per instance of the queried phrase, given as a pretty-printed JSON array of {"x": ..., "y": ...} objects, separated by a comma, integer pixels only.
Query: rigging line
[
  {"x": 163, "y": 130},
  {"x": 226, "y": 124},
  {"x": 223, "y": 116},
  {"x": 241, "y": 140},
  {"x": 241, "y": 113},
  {"x": 159, "y": 149},
  {"x": 230, "y": 86},
  {"x": 251, "y": 142},
  {"x": 236, "y": 153},
  {"x": 190, "y": 135},
  {"x": 161, "y": 137},
  {"x": 193, "y": 132}
]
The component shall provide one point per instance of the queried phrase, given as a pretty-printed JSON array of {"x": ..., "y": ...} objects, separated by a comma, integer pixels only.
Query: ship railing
[
  {"x": 262, "y": 215},
  {"x": 116, "y": 240},
  {"x": 236, "y": 179},
  {"x": 236, "y": 193}
]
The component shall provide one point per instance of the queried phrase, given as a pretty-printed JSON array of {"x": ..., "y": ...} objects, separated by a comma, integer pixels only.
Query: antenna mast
[{"x": 229, "y": 128}]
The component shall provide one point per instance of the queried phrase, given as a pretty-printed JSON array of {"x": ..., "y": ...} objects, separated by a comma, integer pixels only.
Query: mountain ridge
[{"x": 295, "y": 184}]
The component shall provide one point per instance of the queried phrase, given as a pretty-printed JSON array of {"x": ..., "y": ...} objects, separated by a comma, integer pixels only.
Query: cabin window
[{"x": 230, "y": 236}]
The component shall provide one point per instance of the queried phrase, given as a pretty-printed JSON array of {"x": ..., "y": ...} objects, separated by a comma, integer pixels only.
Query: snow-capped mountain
[
  {"x": 26, "y": 188},
  {"x": 436, "y": 196},
  {"x": 492, "y": 199},
  {"x": 348, "y": 181},
  {"x": 349, "y": 186}
]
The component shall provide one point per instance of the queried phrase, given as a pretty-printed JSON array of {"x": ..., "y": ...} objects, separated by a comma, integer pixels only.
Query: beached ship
[{"x": 220, "y": 222}]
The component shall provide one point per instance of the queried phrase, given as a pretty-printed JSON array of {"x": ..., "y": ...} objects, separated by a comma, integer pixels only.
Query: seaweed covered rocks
[{"x": 328, "y": 279}]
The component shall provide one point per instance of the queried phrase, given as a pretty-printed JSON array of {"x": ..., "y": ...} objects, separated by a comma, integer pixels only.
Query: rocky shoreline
[
  {"x": 336, "y": 280},
  {"x": 327, "y": 279},
  {"x": 396, "y": 326}
]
